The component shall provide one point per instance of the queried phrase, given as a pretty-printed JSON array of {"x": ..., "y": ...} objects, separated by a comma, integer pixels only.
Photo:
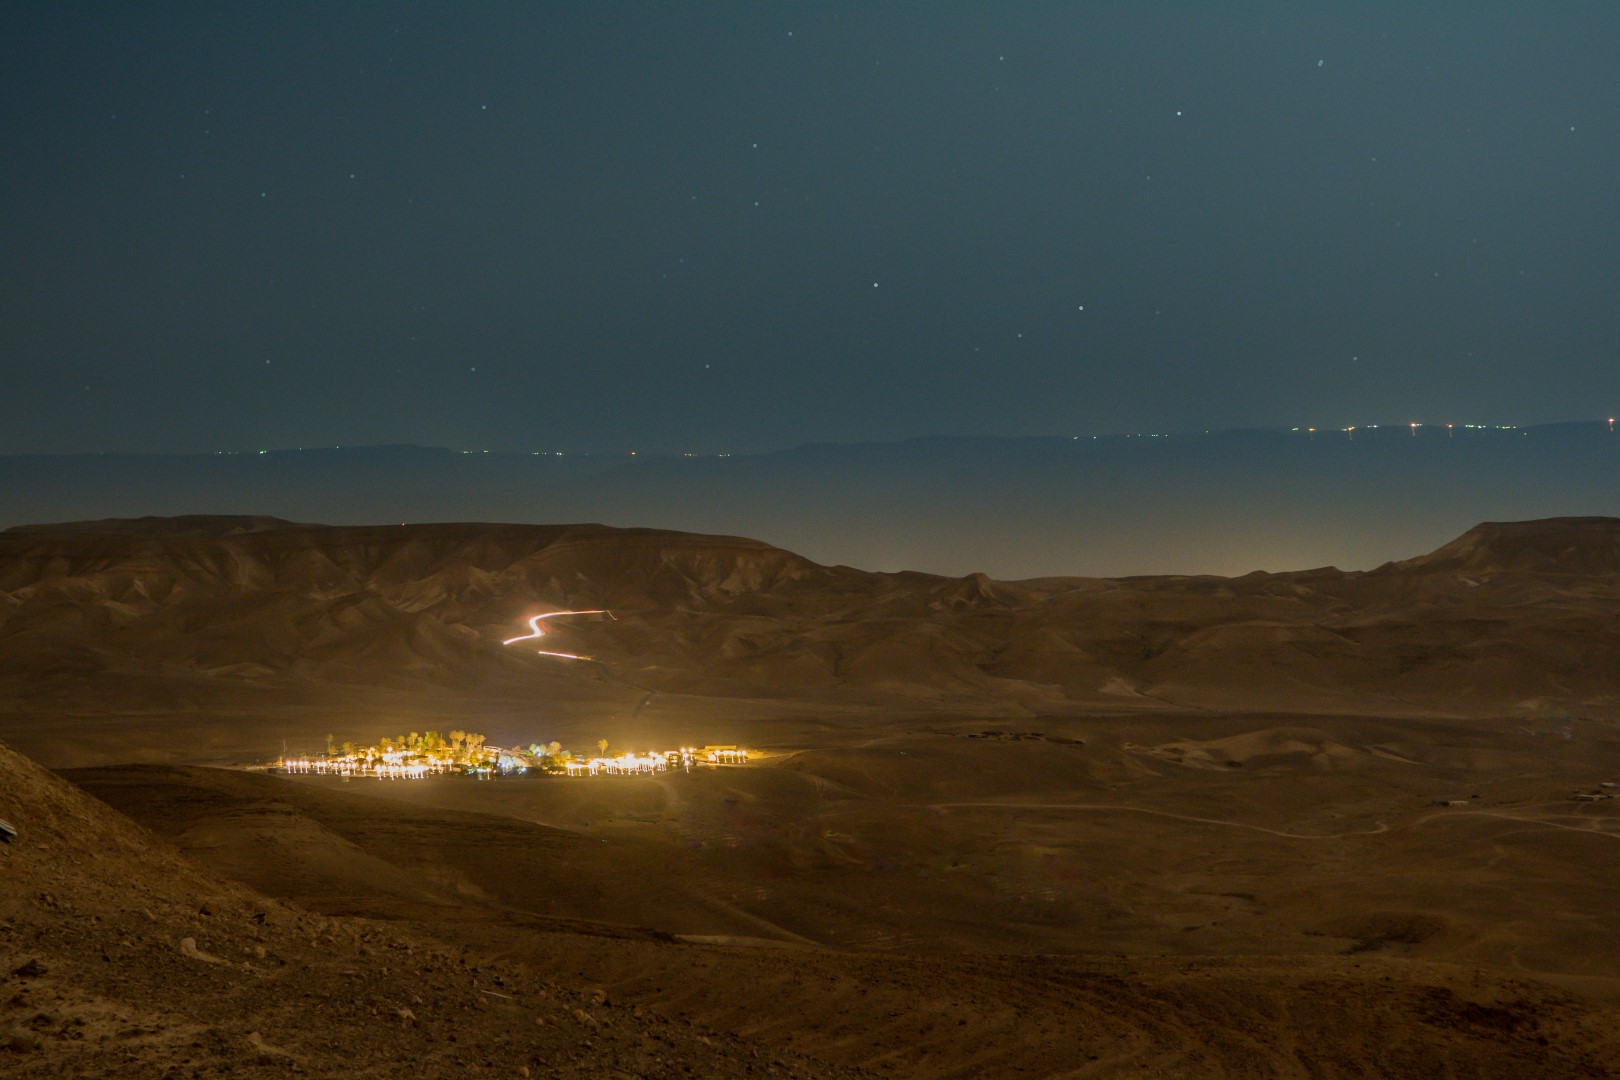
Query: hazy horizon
[
  {"x": 1223, "y": 503},
  {"x": 1326, "y": 430}
]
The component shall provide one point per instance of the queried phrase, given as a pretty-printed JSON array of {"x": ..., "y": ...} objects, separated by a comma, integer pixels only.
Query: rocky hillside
[
  {"x": 120, "y": 958},
  {"x": 1508, "y": 617},
  {"x": 1566, "y": 547}
]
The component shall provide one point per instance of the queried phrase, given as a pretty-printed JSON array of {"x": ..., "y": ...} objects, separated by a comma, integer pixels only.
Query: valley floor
[{"x": 1154, "y": 895}]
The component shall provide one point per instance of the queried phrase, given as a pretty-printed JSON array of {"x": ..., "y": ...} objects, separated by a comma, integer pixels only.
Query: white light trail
[{"x": 540, "y": 632}]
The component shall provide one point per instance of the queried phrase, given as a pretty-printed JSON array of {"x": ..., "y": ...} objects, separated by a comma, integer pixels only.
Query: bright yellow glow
[
  {"x": 482, "y": 759},
  {"x": 633, "y": 764}
]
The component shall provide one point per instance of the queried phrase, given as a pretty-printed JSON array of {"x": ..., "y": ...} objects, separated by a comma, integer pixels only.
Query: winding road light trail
[{"x": 540, "y": 632}]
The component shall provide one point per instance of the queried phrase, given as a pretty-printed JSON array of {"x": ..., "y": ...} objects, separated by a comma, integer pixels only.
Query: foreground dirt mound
[
  {"x": 905, "y": 1004},
  {"x": 120, "y": 958}
]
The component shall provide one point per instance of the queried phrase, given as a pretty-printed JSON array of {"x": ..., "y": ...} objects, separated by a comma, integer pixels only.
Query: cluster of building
[
  {"x": 390, "y": 766},
  {"x": 683, "y": 759},
  {"x": 418, "y": 764}
]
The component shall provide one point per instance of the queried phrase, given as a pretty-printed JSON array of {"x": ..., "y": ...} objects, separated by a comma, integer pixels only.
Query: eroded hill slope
[{"x": 1510, "y": 617}]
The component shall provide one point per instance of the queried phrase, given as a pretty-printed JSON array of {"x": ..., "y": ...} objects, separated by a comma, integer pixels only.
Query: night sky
[{"x": 735, "y": 227}]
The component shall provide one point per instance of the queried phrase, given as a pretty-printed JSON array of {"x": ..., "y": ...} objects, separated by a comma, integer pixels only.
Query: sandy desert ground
[{"x": 1314, "y": 824}]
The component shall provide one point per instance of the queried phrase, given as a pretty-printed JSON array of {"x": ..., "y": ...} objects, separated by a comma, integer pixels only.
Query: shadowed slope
[
  {"x": 120, "y": 958},
  {"x": 1508, "y": 617},
  {"x": 1587, "y": 547}
]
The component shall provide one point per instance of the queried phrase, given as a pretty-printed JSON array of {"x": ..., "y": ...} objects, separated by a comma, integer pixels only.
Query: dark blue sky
[{"x": 743, "y": 226}]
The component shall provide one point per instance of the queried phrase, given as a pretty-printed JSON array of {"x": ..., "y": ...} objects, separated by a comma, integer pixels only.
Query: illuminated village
[{"x": 416, "y": 756}]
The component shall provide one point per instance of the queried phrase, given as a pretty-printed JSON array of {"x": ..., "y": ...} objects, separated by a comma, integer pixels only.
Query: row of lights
[{"x": 1351, "y": 430}]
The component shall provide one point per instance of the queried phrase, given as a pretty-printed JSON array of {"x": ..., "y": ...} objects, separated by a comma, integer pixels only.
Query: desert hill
[
  {"x": 1281, "y": 825},
  {"x": 778, "y": 946},
  {"x": 221, "y": 613},
  {"x": 1569, "y": 547},
  {"x": 118, "y": 957}
]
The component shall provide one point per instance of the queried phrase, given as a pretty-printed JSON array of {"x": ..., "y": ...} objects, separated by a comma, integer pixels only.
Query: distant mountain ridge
[
  {"x": 1223, "y": 503},
  {"x": 221, "y": 524}
]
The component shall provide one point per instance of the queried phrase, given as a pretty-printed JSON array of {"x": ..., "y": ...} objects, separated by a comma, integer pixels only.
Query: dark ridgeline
[{"x": 1228, "y": 502}]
